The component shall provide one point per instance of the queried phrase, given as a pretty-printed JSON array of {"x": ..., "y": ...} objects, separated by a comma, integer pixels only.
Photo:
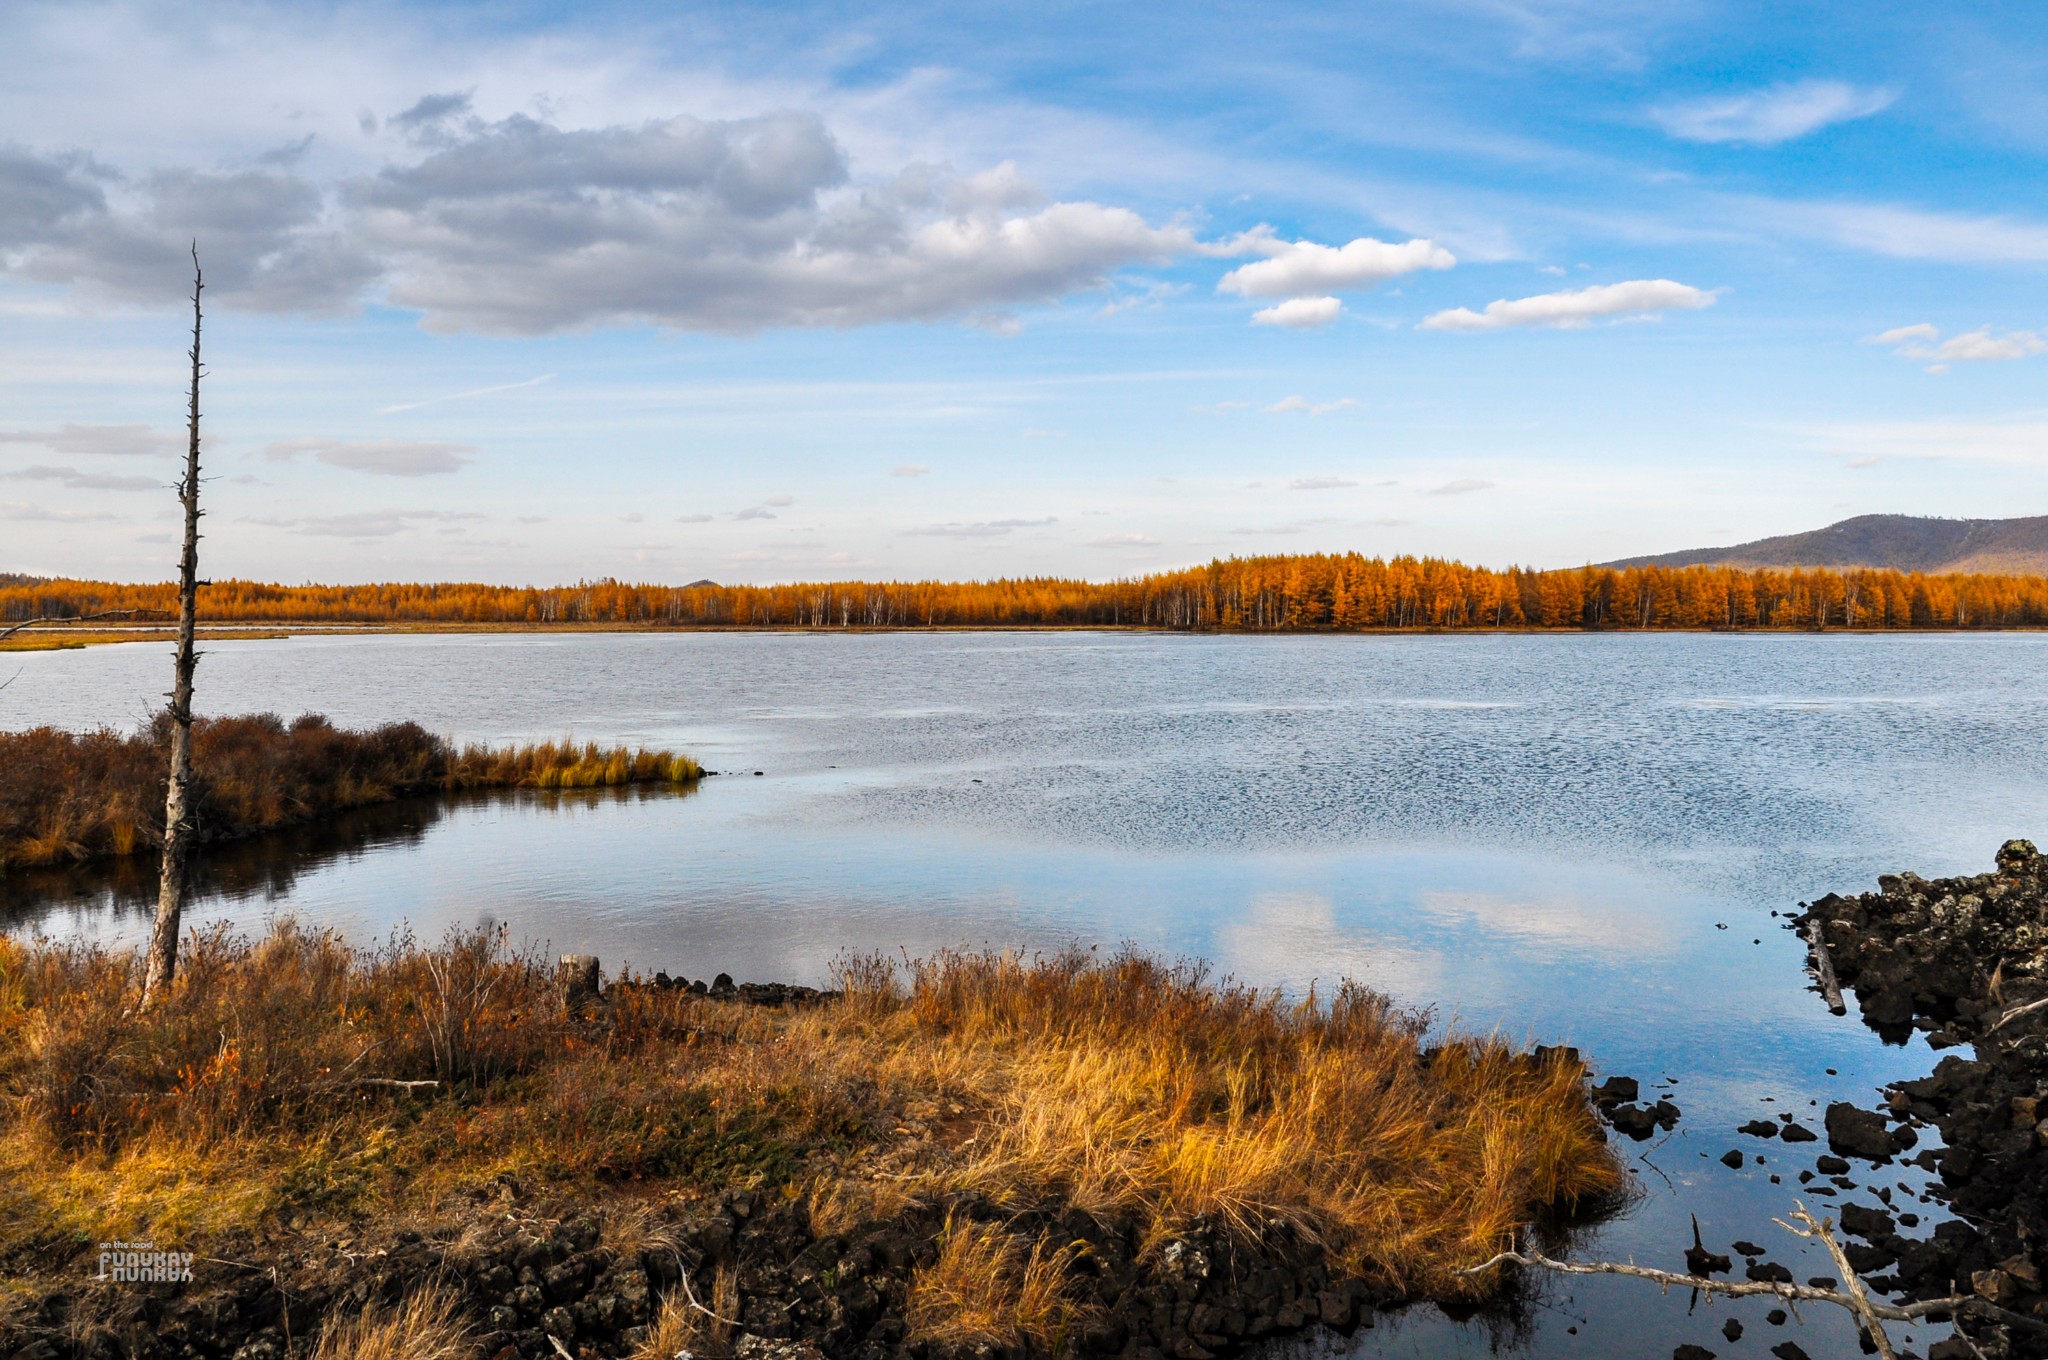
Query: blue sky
[{"x": 533, "y": 292}]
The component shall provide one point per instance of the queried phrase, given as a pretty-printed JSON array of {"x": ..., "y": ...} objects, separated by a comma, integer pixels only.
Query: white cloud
[
  {"x": 780, "y": 501},
  {"x": 366, "y": 523},
  {"x": 1906, "y": 233},
  {"x": 458, "y": 396},
  {"x": 1319, "y": 484},
  {"x": 520, "y": 226},
  {"x": 1574, "y": 308},
  {"x": 909, "y": 470},
  {"x": 123, "y": 440},
  {"x": 1305, "y": 313},
  {"x": 1307, "y": 407},
  {"x": 988, "y": 528},
  {"x": 754, "y": 512},
  {"x": 21, "y": 510},
  {"x": 1123, "y": 541},
  {"x": 1294, "y": 269},
  {"x": 85, "y": 481},
  {"x": 382, "y": 457},
  {"x": 2020, "y": 441},
  {"x": 1767, "y": 117},
  {"x": 1460, "y": 487},
  {"x": 680, "y": 519},
  {"x": 1919, "y": 343}
]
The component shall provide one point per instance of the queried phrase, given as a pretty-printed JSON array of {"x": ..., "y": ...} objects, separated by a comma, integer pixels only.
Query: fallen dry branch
[
  {"x": 1855, "y": 1299},
  {"x": 1824, "y": 969},
  {"x": 11, "y": 629}
]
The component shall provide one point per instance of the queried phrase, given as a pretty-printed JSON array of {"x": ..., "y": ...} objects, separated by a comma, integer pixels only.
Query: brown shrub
[{"x": 79, "y": 795}]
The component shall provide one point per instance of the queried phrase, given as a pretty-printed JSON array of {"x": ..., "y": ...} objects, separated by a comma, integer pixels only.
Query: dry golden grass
[
  {"x": 989, "y": 1285},
  {"x": 1119, "y": 1085},
  {"x": 425, "y": 1326},
  {"x": 72, "y": 796}
]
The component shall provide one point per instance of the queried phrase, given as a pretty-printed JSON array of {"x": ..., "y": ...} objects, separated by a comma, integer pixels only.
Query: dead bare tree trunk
[{"x": 170, "y": 898}]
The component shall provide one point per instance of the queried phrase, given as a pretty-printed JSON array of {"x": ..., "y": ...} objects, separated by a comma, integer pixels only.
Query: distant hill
[{"x": 1904, "y": 542}]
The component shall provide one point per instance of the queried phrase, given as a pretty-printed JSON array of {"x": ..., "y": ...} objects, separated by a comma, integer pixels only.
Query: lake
[{"x": 1575, "y": 838}]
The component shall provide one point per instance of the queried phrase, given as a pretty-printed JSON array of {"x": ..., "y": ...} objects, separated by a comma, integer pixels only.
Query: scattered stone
[
  {"x": 1759, "y": 1128},
  {"x": 1790, "y": 1350},
  {"x": 1731, "y": 1159},
  {"x": 1747, "y": 1248},
  {"x": 1797, "y": 1133},
  {"x": 1732, "y": 1330}
]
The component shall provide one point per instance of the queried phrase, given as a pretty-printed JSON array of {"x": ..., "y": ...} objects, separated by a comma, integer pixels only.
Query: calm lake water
[{"x": 1577, "y": 839}]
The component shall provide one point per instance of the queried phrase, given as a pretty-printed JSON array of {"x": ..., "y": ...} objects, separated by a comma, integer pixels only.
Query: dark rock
[
  {"x": 1790, "y": 1350},
  {"x": 1797, "y": 1133},
  {"x": 1759, "y": 1128},
  {"x": 1747, "y": 1248},
  {"x": 1615, "y": 1090},
  {"x": 1855, "y": 1132},
  {"x": 1867, "y": 1222},
  {"x": 1732, "y": 1330},
  {"x": 1633, "y": 1120},
  {"x": 1830, "y": 1165},
  {"x": 1688, "y": 1351},
  {"x": 1731, "y": 1159},
  {"x": 1768, "y": 1272}
]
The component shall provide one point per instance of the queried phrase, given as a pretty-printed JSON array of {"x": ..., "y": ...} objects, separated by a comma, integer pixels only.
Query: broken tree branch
[
  {"x": 1858, "y": 1303},
  {"x": 1824, "y": 967},
  {"x": 11, "y": 629}
]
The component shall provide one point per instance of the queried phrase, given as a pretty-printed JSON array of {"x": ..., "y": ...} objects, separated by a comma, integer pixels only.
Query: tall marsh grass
[
  {"x": 262, "y": 1090},
  {"x": 69, "y": 796}
]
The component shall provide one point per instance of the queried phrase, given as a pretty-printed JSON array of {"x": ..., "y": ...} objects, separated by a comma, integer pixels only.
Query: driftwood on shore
[
  {"x": 1870, "y": 1313},
  {"x": 1824, "y": 968}
]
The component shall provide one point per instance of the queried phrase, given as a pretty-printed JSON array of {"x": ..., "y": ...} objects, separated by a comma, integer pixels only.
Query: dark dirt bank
[{"x": 1963, "y": 960}]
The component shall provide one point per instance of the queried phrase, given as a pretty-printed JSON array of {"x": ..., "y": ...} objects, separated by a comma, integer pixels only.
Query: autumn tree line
[{"x": 1310, "y": 592}]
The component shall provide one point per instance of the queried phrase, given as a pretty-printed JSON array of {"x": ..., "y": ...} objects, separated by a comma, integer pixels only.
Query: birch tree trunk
[{"x": 176, "y": 875}]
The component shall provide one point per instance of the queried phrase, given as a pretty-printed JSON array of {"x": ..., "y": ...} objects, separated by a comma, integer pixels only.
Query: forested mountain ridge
[{"x": 1898, "y": 542}]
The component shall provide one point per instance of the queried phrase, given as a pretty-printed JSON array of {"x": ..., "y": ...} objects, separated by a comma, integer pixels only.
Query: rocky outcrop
[{"x": 1958, "y": 959}]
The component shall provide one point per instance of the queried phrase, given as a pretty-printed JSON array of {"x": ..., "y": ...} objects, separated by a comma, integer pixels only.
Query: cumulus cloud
[
  {"x": 1460, "y": 487},
  {"x": 125, "y": 440},
  {"x": 1575, "y": 308},
  {"x": 1313, "y": 408},
  {"x": 1295, "y": 269},
  {"x": 1780, "y": 113},
  {"x": 1300, "y": 314},
  {"x": 988, "y": 528},
  {"x": 1320, "y": 484},
  {"x": 521, "y": 226},
  {"x": 1922, "y": 343},
  {"x": 85, "y": 481},
  {"x": 383, "y": 457}
]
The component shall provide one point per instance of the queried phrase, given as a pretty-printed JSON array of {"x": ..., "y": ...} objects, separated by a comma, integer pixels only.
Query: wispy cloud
[
  {"x": 1576, "y": 308},
  {"x": 2020, "y": 440},
  {"x": 909, "y": 470},
  {"x": 123, "y": 440},
  {"x": 85, "y": 481},
  {"x": 1922, "y": 343},
  {"x": 458, "y": 396},
  {"x": 1320, "y": 484},
  {"x": 1767, "y": 117},
  {"x": 1132, "y": 540},
  {"x": 987, "y": 528},
  {"x": 1460, "y": 487},
  {"x": 21, "y": 510},
  {"x": 1312, "y": 408},
  {"x": 366, "y": 523},
  {"x": 381, "y": 457}
]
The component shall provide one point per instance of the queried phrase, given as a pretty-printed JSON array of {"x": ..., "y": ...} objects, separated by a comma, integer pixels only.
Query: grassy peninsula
[
  {"x": 1047, "y": 1156},
  {"x": 72, "y": 796}
]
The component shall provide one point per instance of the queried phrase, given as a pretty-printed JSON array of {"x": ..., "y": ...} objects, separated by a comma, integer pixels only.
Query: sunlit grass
[{"x": 1122, "y": 1086}]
